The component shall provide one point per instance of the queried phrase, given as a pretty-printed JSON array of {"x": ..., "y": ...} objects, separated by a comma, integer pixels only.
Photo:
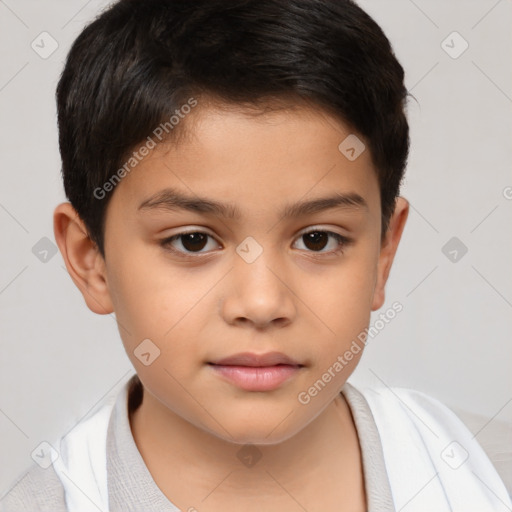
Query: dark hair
[{"x": 140, "y": 61}]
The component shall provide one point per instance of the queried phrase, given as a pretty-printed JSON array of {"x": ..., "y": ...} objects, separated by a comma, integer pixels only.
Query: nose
[{"x": 260, "y": 293}]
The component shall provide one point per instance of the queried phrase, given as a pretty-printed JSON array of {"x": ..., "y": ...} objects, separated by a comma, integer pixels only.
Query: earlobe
[
  {"x": 388, "y": 250},
  {"x": 83, "y": 261}
]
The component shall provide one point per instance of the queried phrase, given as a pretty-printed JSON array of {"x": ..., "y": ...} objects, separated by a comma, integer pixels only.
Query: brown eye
[
  {"x": 317, "y": 240},
  {"x": 191, "y": 242},
  {"x": 194, "y": 241}
]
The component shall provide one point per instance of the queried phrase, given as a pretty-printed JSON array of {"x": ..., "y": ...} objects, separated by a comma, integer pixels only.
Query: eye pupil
[
  {"x": 317, "y": 238},
  {"x": 194, "y": 241}
]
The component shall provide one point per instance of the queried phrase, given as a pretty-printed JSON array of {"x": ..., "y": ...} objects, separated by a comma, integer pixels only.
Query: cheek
[
  {"x": 163, "y": 304},
  {"x": 343, "y": 302},
  {"x": 347, "y": 293},
  {"x": 140, "y": 290}
]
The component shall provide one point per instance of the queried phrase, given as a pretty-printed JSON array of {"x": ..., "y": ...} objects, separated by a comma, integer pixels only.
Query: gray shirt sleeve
[
  {"x": 130, "y": 484},
  {"x": 37, "y": 490}
]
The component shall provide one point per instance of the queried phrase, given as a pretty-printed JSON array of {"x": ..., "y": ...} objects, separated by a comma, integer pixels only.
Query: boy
[{"x": 272, "y": 135}]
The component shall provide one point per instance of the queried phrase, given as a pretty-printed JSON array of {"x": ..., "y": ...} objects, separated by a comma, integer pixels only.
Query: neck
[{"x": 185, "y": 460}]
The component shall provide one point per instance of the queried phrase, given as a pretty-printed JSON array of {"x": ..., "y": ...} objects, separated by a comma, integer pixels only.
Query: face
[{"x": 248, "y": 271}]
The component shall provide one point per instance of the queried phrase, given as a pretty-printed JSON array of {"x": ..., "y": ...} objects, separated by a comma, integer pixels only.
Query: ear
[
  {"x": 388, "y": 250},
  {"x": 83, "y": 260}
]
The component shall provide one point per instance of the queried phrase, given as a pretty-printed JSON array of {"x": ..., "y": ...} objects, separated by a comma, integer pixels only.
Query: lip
[
  {"x": 257, "y": 372},
  {"x": 256, "y": 360}
]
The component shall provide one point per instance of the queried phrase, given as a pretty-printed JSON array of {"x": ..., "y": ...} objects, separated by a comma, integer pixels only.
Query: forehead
[{"x": 254, "y": 159}]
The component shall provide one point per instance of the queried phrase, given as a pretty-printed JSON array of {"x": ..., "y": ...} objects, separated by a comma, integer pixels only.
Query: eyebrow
[{"x": 172, "y": 200}]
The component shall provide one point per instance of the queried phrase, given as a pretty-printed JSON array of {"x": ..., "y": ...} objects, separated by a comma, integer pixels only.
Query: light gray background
[{"x": 452, "y": 340}]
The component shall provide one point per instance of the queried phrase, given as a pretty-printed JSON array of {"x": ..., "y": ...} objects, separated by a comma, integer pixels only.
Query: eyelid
[
  {"x": 319, "y": 227},
  {"x": 165, "y": 243}
]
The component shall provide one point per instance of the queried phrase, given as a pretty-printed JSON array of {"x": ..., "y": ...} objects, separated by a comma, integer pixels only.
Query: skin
[{"x": 297, "y": 298}]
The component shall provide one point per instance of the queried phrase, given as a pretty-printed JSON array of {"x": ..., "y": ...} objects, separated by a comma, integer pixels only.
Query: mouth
[{"x": 254, "y": 372}]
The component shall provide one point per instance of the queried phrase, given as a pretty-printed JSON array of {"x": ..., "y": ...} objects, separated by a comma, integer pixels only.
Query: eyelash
[{"x": 343, "y": 241}]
